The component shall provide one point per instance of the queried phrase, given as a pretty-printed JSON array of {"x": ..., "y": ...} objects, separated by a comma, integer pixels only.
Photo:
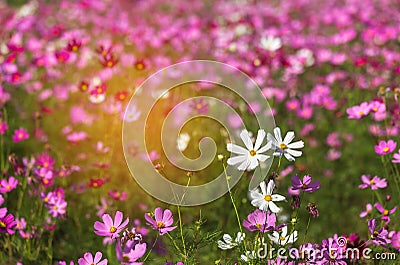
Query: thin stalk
[{"x": 151, "y": 249}]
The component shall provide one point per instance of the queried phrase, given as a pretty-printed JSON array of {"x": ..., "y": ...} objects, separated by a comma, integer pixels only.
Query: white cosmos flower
[
  {"x": 228, "y": 242},
  {"x": 249, "y": 157},
  {"x": 285, "y": 147},
  {"x": 248, "y": 256},
  {"x": 97, "y": 98},
  {"x": 271, "y": 43},
  {"x": 182, "y": 141},
  {"x": 264, "y": 200},
  {"x": 283, "y": 238},
  {"x": 132, "y": 113}
]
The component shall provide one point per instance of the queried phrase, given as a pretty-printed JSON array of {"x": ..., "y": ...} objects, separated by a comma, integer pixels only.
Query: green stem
[
  {"x": 232, "y": 200},
  {"x": 151, "y": 249},
  {"x": 308, "y": 225},
  {"x": 174, "y": 243}
]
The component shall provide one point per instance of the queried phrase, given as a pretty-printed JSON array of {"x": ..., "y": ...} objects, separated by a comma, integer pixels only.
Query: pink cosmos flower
[
  {"x": 305, "y": 184},
  {"x": 57, "y": 207},
  {"x": 89, "y": 260},
  {"x": 396, "y": 158},
  {"x": 7, "y": 222},
  {"x": 367, "y": 210},
  {"x": 3, "y": 127},
  {"x": 396, "y": 240},
  {"x": 131, "y": 253},
  {"x": 20, "y": 135},
  {"x": 110, "y": 228},
  {"x": 384, "y": 147},
  {"x": 385, "y": 213},
  {"x": 260, "y": 220},
  {"x": 378, "y": 110},
  {"x": 77, "y": 137},
  {"x": 357, "y": 112},
  {"x": 162, "y": 222},
  {"x": 8, "y": 185},
  {"x": 374, "y": 183}
]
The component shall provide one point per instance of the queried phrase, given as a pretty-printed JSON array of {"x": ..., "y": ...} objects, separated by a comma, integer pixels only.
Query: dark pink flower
[
  {"x": 374, "y": 183},
  {"x": 305, "y": 184},
  {"x": 357, "y": 112},
  {"x": 385, "y": 213},
  {"x": 162, "y": 221},
  {"x": 89, "y": 260},
  {"x": 110, "y": 228},
  {"x": 8, "y": 185},
  {"x": 384, "y": 148},
  {"x": 7, "y": 223},
  {"x": 20, "y": 135},
  {"x": 260, "y": 220},
  {"x": 3, "y": 127}
]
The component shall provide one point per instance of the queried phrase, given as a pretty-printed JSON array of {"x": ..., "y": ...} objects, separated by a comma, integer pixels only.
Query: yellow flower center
[
  {"x": 385, "y": 212},
  {"x": 281, "y": 238},
  {"x": 8, "y": 187},
  {"x": 2, "y": 224},
  {"x": 109, "y": 64},
  {"x": 113, "y": 229},
  {"x": 375, "y": 109},
  {"x": 386, "y": 149},
  {"x": 160, "y": 224},
  {"x": 253, "y": 153},
  {"x": 361, "y": 113},
  {"x": 55, "y": 207},
  {"x": 371, "y": 182},
  {"x": 258, "y": 226},
  {"x": 282, "y": 146},
  {"x": 268, "y": 198}
]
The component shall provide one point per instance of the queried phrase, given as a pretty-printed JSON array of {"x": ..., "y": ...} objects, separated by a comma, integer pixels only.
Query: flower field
[{"x": 199, "y": 132}]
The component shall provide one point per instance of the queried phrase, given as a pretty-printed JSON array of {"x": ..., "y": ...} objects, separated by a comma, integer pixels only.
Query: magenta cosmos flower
[
  {"x": 305, "y": 184},
  {"x": 8, "y": 185},
  {"x": 261, "y": 221},
  {"x": 357, "y": 112},
  {"x": 374, "y": 183},
  {"x": 368, "y": 209},
  {"x": 109, "y": 227},
  {"x": 162, "y": 222},
  {"x": 384, "y": 147},
  {"x": 89, "y": 260},
  {"x": 20, "y": 135},
  {"x": 396, "y": 158},
  {"x": 396, "y": 240},
  {"x": 130, "y": 253},
  {"x": 385, "y": 213},
  {"x": 379, "y": 237},
  {"x": 7, "y": 223}
]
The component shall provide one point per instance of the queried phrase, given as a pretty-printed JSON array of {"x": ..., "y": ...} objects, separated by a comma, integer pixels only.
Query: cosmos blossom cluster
[{"x": 330, "y": 72}]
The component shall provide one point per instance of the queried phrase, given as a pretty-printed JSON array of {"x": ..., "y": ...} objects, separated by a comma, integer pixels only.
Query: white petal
[
  {"x": 236, "y": 149},
  {"x": 296, "y": 145},
  {"x": 263, "y": 188},
  {"x": 270, "y": 188},
  {"x": 260, "y": 138},
  {"x": 236, "y": 160},
  {"x": 253, "y": 163},
  {"x": 288, "y": 138},
  {"x": 245, "y": 136},
  {"x": 289, "y": 157},
  {"x": 294, "y": 153},
  {"x": 244, "y": 165},
  {"x": 272, "y": 206},
  {"x": 262, "y": 158},
  {"x": 255, "y": 194},
  {"x": 284, "y": 231},
  {"x": 277, "y": 197},
  {"x": 227, "y": 238},
  {"x": 271, "y": 138},
  {"x": 264, "y": 148},
  {"x": 278, "y": 136}
]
